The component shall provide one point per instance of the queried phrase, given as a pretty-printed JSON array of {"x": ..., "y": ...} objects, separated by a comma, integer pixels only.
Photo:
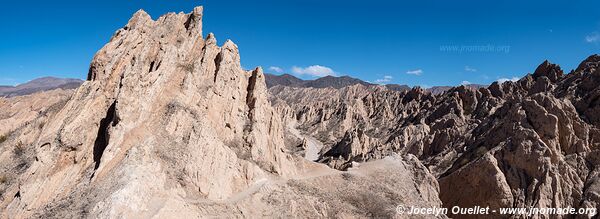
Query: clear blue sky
[{"x": 448, "y": 41}]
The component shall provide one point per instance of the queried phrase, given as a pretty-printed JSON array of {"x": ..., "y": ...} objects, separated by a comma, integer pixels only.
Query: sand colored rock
[
  {"x": 168, "y": 124},
  {"x": 529, "y": 143}
]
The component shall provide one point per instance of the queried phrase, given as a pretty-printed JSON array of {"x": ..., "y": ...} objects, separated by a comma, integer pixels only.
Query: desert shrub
[
  {"x": 3, "y": 179},
  {"x": 372, "y": 205},
  {"x": 69, "y": 148},
  {"x": 189, "y": 67},
  {"x": 19, "y": 149},
  {"x": 480, "y": 151},
  {"x": 3, "y": 138}
]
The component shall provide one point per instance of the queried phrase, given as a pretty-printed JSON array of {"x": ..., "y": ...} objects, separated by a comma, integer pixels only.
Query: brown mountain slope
[
  {"x": 322, "y": 82},
  {"x": 288, "y": 80},
  {"x": 39, "y": 84}
]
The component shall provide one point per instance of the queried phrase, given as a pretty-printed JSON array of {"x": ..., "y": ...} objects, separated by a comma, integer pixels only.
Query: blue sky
[{"x": 423, "y": 43}]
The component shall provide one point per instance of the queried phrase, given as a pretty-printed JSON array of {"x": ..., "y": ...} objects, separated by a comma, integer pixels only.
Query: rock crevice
[{"x": 103, "y": 136}]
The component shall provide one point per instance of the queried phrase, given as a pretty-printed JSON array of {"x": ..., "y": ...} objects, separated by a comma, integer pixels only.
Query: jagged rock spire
[
  {"x": 159, "y": 96},
  {"x": 590, "y": 64},
  {"x": 552, "y": 71}
]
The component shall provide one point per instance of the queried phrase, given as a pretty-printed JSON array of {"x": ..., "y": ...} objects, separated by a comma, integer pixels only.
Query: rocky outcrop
[
  {"x": 22, "y": 120},
  {"x": 158, "y": 97},
  {"x": 168, "y": 124},
  {"x": 529, "y": 143}
]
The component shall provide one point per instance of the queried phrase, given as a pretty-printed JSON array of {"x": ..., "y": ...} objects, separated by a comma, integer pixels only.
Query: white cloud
[
  {"x": 314, "y": 70},
  {"x": 275, "y": 69},
  {"x": 415, "y": 72},
  {"x": 467, "y": 68},
  {"x": 502, "y": 80},
  {"x": 385, "y": 79},
  {"x": 593, "y": 38},
  {"x": 465, "y": 83}
]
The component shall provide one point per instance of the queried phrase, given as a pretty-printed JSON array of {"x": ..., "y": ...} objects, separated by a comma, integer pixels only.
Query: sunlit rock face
[
  {"x": 168, "y": 124},
  {"x": 163, "y": 113},
  {"x": 528, "y": 143}
]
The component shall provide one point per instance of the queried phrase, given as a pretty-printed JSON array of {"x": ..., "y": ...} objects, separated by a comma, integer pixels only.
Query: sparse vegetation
[
  {"x": 41, "y": 125},
  {"x": 187, "y": 66},
  {"x": 372, "y": 205},
  {"x": 19, "y": 149},
  {"x": 480, "y": 151},
  {"x": 3, "y": 138},
  {"x": 3, "y": 179},
  {"x": 70, "y": 148}
]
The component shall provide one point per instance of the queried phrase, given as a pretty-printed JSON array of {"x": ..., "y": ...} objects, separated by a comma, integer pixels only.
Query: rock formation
[
  {"x": 529, "y": 143},
  {"x": 168, "y": 124}
]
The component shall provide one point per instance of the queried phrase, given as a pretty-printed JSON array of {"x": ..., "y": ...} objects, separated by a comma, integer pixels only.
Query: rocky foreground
[{"x": 168, "y": 124}]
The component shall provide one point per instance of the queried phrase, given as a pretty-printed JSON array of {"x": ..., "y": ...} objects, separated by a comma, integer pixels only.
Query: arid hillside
[
  {"x": 529, "y": 143},
  {"x": 169, "y": 125}
]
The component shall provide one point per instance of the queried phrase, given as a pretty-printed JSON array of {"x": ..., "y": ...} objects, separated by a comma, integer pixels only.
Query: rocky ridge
[
  {"x": 168, "y": 124},
  {"x": 529, "y": 143}
]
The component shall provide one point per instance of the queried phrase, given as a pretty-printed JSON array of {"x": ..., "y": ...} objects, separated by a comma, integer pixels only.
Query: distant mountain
[
  {"x": 397, "y": 87},
  {"x": 344, "y": 81},
  {"x": 284, "y": 80},
  {"x": 441, "y": 89},
  {"x": 335, "y": 82},
  {"x": 327, "y": 81},
  {"x": 40, "y": 84},
  {"x": 438, "y": 89}
]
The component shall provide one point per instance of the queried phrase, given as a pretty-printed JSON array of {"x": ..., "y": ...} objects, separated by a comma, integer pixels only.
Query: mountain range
[
  {"x": 39, "y": 84},
  {"x": 51, "y": 83},
  {"x": 344, "y": 81}
]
